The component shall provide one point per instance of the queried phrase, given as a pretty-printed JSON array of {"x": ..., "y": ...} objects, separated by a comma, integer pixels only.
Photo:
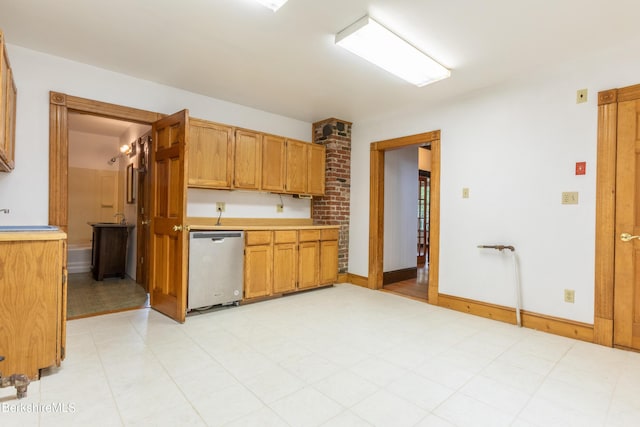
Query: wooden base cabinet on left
[{"x": 33, "y": 295}]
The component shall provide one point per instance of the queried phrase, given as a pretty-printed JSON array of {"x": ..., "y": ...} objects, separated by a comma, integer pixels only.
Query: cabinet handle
[
  {"x": 177, "y": 228},
  {"x": 146, "y": 222}
]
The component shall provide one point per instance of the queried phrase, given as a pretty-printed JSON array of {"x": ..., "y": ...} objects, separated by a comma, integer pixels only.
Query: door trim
[
  {"x": 376, "y": 208},
  {"x": 606, "y": 210},
  {"x": 59, "y": 106}
]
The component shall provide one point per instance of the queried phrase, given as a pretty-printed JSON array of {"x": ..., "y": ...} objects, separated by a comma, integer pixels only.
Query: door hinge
[{"x": 141, "y": 260}]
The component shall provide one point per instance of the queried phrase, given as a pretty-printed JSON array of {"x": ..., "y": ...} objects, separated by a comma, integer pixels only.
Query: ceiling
[{"x": 287, "y": 63}]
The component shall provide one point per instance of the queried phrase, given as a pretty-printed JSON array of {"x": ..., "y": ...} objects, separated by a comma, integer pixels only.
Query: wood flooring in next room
[{"x": 413, "y": 288}]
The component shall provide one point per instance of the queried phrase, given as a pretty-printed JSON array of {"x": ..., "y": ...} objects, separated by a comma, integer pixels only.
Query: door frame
[
  {"x": 376, "y": 208},
  {"x": 606, "y": 210},
  {"x": 60, "y": 105}
]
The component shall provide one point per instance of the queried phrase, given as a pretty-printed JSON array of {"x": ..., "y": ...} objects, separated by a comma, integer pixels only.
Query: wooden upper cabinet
[
  {"x": 210, "y": 154},
  {"x": 8, "y": 96},
  {"x": 297, "y": 160},
  {"x": 273, "y": 163},
  {"x": 247, "y": 165},
  {"x": 316, "y": 169}
]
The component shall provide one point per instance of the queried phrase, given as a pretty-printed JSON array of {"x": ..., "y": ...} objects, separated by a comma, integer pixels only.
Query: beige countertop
[{"x": 17, "y": 236}]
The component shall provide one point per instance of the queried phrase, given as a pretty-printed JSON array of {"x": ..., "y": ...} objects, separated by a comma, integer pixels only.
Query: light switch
[{"x": 465, "y": 193}]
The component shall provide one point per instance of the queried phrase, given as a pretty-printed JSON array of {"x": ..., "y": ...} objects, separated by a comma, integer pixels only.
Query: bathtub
[{"x": 79, "y": 258}]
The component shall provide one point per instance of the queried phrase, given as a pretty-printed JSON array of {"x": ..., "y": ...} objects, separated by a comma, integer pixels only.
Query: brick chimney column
[{"x": 334, "y": 207}]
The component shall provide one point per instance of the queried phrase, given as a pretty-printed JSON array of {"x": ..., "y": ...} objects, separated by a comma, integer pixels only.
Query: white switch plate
[
  {"x": 570, "y": 198},
  {"x": 465, "y": 193},
  {"x": 279, "y": 208}
]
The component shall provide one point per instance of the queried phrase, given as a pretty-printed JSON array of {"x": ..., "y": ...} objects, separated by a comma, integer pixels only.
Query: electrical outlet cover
[{"x": 581, "y": 96}]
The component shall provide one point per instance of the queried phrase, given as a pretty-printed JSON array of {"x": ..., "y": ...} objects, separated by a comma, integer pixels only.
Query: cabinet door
[
  {"x": 7, "y": 111},
  {"x": 328, "y": 261},
  {"x": 316, "y": 169},
  {"x": 296, "y": 167},
  {"x": 30, "y": 305},
  {"x": 210, "y": 154},
  {"x": 285, "y": 261},
  {"x": 247, "y": 165},
  {"x": 273, "y": 163},
  {"x": 258, "y": 273},
  {"x": 308, "y": 264}
]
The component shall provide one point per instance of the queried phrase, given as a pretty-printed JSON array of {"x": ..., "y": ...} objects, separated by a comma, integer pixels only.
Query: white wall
[
  {"x": 25, "y": 190},
  {"x": 400, "y": 209},
  {"x": 515, "y": 148},
  {"x": 245, "y": 204}
]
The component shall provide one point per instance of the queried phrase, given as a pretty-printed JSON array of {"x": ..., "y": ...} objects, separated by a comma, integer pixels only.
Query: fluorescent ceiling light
[
  {"x": 272, "y": 4},
  {"x": 373, "y": 42}
]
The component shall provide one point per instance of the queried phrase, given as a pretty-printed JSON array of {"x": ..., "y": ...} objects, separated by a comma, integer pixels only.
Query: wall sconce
[{"x": 125, "y": 149}]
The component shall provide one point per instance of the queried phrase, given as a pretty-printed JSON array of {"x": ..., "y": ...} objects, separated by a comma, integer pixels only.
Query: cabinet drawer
[
  {"x": 331, "y": 234},
  {"x": 258, "y": 238},
  {"x": 285, "y": 236},
  {"x": 309, "y": 235}
]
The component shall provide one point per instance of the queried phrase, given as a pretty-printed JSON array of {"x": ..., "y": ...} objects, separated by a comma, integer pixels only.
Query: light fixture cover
[
  {"x": 272, "y": 4},
  {"x": 373, "y": 42}
]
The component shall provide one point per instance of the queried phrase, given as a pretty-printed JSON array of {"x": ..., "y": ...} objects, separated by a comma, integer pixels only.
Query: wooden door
[
  {"x": 296, "y": 167},
  {"x": 142, "y": 261},
  {"x": 210, "y": 154},
  {"x": 285, "y": 262},
  {"x": 626, "y": 319},
  {"x": 258, "y": 275},
  {"x": 247, "y": 165},
  {"x": 328, "y": 261},
  {"x": 273, "y": 163},
  {"x": 316, "y": 170},
  {"x": 168, "y": 239},
  {"x": 308, "y": 264}
]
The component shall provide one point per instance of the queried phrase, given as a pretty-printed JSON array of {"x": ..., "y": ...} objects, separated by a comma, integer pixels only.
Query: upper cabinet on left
[{"x": 8, "y": 95}]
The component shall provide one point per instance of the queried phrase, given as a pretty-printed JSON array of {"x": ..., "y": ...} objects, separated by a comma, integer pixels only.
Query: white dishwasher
[{"x": 216, "y": 267}]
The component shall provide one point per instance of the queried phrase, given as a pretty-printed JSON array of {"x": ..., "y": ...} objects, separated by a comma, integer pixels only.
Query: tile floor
[
  {"x": 86, "y": 296},
  {"x": 342, "y": 356}
]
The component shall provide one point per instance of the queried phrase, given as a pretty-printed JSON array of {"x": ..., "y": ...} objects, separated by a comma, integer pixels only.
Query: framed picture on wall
[
  {"x": 131, "y": 196},
  {"x": 134, "y": 149}
]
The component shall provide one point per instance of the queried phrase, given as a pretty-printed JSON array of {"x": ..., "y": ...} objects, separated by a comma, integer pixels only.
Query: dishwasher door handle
[{"x": 217, "y": 239}]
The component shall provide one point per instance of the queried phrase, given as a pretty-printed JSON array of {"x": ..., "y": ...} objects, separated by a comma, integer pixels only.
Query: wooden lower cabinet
[
  {"x": 32, "y": 302},
  {"x": 309, "y": 265},
  {"x": 283, "y": 261},
  {"x": 328, "y": 261},
  {"x": 258, "y": 273}
]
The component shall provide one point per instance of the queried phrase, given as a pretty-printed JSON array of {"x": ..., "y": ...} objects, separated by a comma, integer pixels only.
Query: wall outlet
[
  {"x": 279, "y": 208},
  {"x": 220, "y": 206},
  {"x": 465, "y": 193},
  {"x": 570, "y": 198},
  {"x": 569, "y": 295},
  {"x": 581, "y": 96}
]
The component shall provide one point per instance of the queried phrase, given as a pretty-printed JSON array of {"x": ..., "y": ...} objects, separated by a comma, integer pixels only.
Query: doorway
[
  {"x": 406, "y": 221},
  {"x": 617, "y": 277},
  {"x": 74, "y": 124},
  {"x": 376, "y": 208}
]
